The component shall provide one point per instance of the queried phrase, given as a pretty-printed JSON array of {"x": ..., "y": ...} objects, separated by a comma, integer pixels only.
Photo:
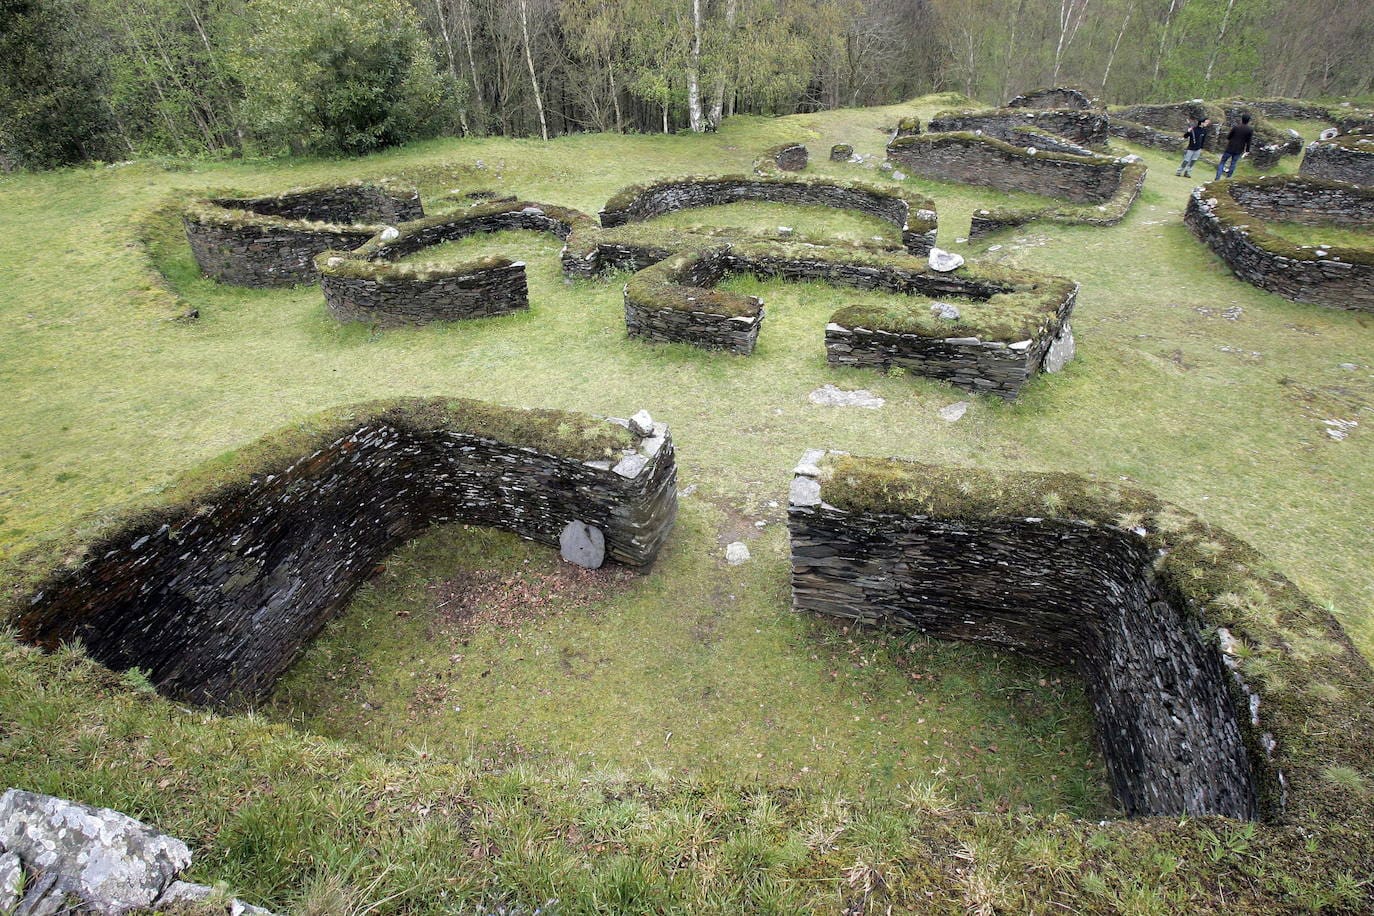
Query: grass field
[{"x": 501, "y": 730}]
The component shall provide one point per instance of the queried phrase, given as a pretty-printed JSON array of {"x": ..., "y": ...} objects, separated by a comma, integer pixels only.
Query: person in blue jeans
[{"x": 1237, "y": 145}]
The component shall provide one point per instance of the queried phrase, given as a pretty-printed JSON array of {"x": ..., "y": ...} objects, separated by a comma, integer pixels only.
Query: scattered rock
[
  {"x": 642, "y": 424},
  {"x": 582, "y": 545},
  {"x": 736, "y": 553},
  {"x": 944, "y": 261},
  {"x": 1330, "y": 133},
  {"x": 955, "y": 411},
  {"x": 994, "y": 248},
  {"x": 945, "y": 310},
  {"x": 786, "y": 231},
  {"x": 390, "y": 233},
  {"x": 900, "y": 176},
  {"x": 108, "y": 859},
  {"x": 830, "y": 396}
]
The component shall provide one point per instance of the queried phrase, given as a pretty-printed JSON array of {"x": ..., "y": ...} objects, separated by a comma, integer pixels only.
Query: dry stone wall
[
  {"x": 1349, "y": 158},
  {"x": 365, "y": 285},
  {"x": 273, "y": 241},
  {"x": 977, "y": 160},
  {"x": 913, "y": 215},
  {"x": 1062, "y": 591},
  {"x": 1057, "y": 97},
  {"x": 1229, "y": 217},
  {"x": 1082, "y": 128},
  {"x": 215, "y": 598}
]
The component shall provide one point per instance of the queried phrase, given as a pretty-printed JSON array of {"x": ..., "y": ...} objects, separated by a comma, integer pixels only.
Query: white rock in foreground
[
  {"x": 944, "y": 261},
  {"x": 108, "y": 859},
  {"x": 736, "y": 553}
]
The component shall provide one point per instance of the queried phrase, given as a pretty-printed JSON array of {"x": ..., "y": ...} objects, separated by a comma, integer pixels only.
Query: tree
[
  {"x": 335, "y": 78},
  {"x": 54, "y": 87}
]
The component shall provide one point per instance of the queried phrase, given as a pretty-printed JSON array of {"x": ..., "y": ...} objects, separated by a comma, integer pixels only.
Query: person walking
[
  {"x": 1196, "y": 135},
  {"x": 1237, "y": 145}
]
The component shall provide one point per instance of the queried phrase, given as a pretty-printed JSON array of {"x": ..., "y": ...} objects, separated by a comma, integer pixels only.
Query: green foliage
[
  {"x": 335, "y": 78},
  {"x": 53, "y": 80}
]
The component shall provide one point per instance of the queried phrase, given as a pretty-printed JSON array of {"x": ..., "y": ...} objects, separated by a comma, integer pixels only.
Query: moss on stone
[
  {"x": 564, "y": 434},
  {"x": 1233, "y": 215},
  {"x": 1313, "y": 685}
]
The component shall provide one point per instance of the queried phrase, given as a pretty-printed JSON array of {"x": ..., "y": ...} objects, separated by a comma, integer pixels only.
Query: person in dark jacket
[
  {"x": 1196, "y": 135},
  {"x": 1237, "y": 145}
]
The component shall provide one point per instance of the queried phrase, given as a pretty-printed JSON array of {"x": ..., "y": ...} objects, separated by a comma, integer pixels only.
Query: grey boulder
[{"x": 582, "y": 544}]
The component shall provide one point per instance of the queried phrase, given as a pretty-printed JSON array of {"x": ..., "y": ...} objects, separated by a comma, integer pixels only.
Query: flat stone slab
[
  {"x": 582, "y": 544},
  {"x": 106, "y": 858},
  {"x": 830, "y": 396},
  {"x": 736, "y": 553},
  {"x": 953, "y": 412}
]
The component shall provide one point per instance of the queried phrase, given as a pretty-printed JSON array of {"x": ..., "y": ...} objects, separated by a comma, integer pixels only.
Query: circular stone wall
[
  {"x": 1347, "y": 158},
  {"x": 912, "y": 213},
  {"x": 366, "y": 284},
  {"x": 273, "y": 241},
  {"x": 1230, "y": 216}
]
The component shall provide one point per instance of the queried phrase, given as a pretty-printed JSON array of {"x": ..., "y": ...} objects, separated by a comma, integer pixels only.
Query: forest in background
[{"x": 88, "y": 80}]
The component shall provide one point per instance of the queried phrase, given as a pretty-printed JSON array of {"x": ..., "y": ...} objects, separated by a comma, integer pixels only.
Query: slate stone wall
[
  {"x": 1153, "y": 137},
  {"x": 974, "y": 160},
  {"x": 1351, "y": 161},
  {"x": 1060, "y": 591},
  {"x": 1286, "y": 109},
  {"x": 737, "y": 334},
  {"x": 1086, "y": 128},
  {"x": 671, "y": 196},
  {"x": 265, "y": 255},
  {"x": 841, "y": 152},
  {"x": 272, "y": 241},
  {"x": 217, "y": 602},
  {"x": 1000, "y": 368},
  {"x": 478, "y": 290},
  {"x": 1313, "y": 279},
  {"x": 1058, "y": 97},
  {"x": 1315, "y": 203}
]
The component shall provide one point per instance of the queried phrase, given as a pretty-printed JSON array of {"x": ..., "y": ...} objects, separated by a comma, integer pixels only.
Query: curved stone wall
[
  {"x": 1058, "y": 97},
  {"x": 971, "y": 159},
  {"x": 1229, "y": 216},
  {"x": 1085, "y": 128},
  {"x": 1347, "y": 158},
  {"x": 675, "y": 302},
  {"x": 273, "y": 240},
  {"x": 985, "y": 221},
  {"x": 1162, "y": 127},
  {"x": 216, "y": 591},
  {"x": 913, "y": 214},
  {"x": 364, "y": 285},
  {"x": 785, "y": 157},
  {"x": 976, "y": 556}
]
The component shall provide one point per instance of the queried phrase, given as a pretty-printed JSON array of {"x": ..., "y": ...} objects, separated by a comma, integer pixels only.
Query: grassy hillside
[{"x": 498, "y": 730}]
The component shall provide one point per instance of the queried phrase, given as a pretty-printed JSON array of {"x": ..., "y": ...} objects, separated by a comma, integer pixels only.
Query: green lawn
[{"x": 677, "y": 740}]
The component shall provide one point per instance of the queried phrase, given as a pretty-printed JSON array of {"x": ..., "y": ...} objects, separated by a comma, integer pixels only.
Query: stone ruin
[
  {"x": 1059, "y": 97},
  {"x": 216, "y": 589},
  {"x": 1230, "y": 217},
  {"x": 675, "y": 301},
  {"x": 273, "y": 240},
  {"x": 1132, "y": 593},
  {"x": 368, "y": 285},
  {"x": 786, "y": 157},
  {"x": 911, "y": 213},
  {"x": 1059, "y": 130},
  {"x": 1162, "y": 127},
  {"x": 1348, "y": 158},
  {"x": 58, "y": 856},
  {"x": 1100, "y": 189}
]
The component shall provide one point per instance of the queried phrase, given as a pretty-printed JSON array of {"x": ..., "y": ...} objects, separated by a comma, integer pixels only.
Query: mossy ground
[{"x": 1211, "y": 393}]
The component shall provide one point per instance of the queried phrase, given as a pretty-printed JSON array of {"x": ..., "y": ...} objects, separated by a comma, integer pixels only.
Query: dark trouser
[{"x": 1233, "y": 159}]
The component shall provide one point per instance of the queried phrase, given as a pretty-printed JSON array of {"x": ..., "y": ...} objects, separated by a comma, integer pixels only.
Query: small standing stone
[
  {"x": 582, "y": 544},
  {"x": 736, "y": 553}
]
